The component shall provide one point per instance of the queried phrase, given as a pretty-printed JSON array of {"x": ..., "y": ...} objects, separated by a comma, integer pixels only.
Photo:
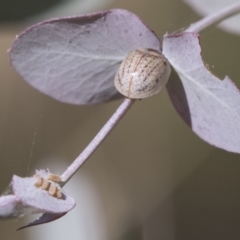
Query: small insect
[
  {"x": 49, "y": 184},
  {"x": 143, "y": 73}
]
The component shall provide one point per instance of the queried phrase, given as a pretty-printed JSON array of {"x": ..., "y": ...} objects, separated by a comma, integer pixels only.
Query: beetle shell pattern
[{"x": 143, "y": 73}]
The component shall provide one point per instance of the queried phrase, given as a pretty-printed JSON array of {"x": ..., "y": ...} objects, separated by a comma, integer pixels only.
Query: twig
[
  {"x": 98, "y": 139},
  {"x": 214, "y": 18}
]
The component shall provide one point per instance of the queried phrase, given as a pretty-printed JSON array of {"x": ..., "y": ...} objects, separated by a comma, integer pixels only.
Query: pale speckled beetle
[{"x": 143, "y": 73}]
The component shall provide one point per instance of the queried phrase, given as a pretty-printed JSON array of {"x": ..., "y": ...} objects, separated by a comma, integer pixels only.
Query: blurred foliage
[{"x": 15, "y": 10}]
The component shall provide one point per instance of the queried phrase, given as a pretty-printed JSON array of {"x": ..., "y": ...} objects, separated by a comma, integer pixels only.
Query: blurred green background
[{"x": 152, "y": 178}]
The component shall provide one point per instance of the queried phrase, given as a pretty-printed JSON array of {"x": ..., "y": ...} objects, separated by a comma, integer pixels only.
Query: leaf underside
[
  {"x": 74, "y": 59},
  {"x": 210, "y": 106}
]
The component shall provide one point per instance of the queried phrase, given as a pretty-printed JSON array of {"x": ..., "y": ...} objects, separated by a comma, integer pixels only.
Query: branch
[
  {"x": 98, "y": 139},
  {"x": 214, "y": 18}
]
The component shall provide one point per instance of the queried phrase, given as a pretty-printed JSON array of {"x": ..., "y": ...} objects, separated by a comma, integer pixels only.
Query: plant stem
[
  {"x": 214, "y": 18},
  {"x": 98, "y": 139}
]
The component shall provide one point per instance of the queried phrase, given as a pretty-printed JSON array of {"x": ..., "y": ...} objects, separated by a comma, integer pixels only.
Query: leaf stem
[
  {"x": 97, "y": 140},
  {"x": 214, "y": 18}
]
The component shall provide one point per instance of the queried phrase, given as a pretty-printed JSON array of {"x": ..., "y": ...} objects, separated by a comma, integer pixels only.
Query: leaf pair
[
  {"x": 74, "y": 60},
  {"x": 36, "y": 194}
]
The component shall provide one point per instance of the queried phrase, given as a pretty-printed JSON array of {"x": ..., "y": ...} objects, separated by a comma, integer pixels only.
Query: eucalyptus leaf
[
  {"x": 24, "y": 197},
  {"x": 210, "y": 106},
  {"x": 74, "y": 59}
]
